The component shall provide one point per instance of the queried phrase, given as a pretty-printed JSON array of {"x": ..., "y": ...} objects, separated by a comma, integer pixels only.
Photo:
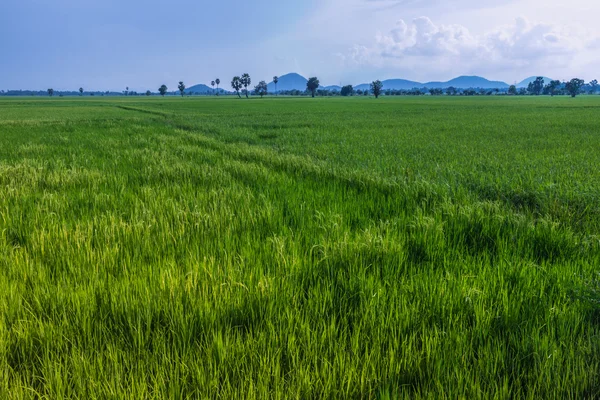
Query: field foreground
[{"x": 300, "y": 248}]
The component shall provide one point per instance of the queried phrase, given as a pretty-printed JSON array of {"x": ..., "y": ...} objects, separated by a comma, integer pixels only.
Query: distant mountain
[
  {"x": 467, "y": 82},
  {"x": 292, "y": 81},
  {"x": 462, "y": 82},
  {"x": 393, "y": 84},
  {"x": 398, "y": 84},
  {"x": 365, "y": 86},
  {"x": 525, "y": 82},
  {"x": 332, "y": 87},
  {"x": 203, "y": 89}
]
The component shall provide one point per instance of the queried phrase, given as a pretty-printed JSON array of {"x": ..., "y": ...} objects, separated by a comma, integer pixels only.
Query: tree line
[{"x": 241, "y": 86}]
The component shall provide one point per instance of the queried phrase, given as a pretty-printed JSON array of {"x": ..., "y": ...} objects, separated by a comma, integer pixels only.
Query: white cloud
[{"x": 435, "y": 49}]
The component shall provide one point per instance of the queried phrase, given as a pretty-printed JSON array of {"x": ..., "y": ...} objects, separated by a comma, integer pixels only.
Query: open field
[{"x": 300, "y": 248}]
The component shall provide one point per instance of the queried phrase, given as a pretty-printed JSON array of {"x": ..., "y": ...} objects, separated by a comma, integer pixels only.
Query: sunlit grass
[{"x": 300, "y": 248}]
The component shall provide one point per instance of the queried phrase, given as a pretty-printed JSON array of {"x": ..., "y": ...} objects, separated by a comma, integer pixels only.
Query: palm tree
[
  {"x": 213, "y": 85},
  {"x": 218, "y": 82},
  {"x": 246, "y": 81},
  {"x": 275, "y": 80},
  {"x": 236, "y": 84}
]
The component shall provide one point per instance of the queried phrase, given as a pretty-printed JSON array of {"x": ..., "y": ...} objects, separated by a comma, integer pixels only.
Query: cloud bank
[{"x": 435, "y": 49}]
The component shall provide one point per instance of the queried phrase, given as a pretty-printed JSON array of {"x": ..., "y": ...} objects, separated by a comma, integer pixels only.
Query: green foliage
[
  {"x": 246, "y": 82},
  {"x": 261, "y": 89},
  {"x": 422, "y": 248},
  {"x": 347, "y": 90},
  {"x": 312, "y": 85},
  {"x": 536, "y": 87},
  {"x": 376, "y": 87},
  {"x": 574, "y": 86},
  {"x": 512, "y": 90},
  {"x": 181, "y": 88},
  {"x": 163, "y": 90},
  {"x": 236, "y": 84}
]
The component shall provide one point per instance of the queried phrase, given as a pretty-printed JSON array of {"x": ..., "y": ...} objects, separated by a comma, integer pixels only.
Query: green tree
[
  {"x": 181, "y": 88},
  {"x": 551, "y": 88},
  {"x": 347, "y": 90},
  {"x": 312, "y": 85},
  {"x": 593, "y": 86},
  {"x": 451, "y": 91},
  {"x": 246, "y": 82},
  {"x": 126, "y": 91},
  {"x": 148, "y": 93},
  {"x": 574, "y": 86},
  {"x": 81, "y": 91},
  {"x": 163, "y": 90},
  {"x": 212, "y": 83},
  {"x": 261, "y": 89},
  {"x": 275, "y": 81},
  {"x": 236, "y": 84},
  {"x": 512, "y": 90},
  {"x": 50, "y": 92},
  {"x": 536, "y": 87},
  {"x": 218, "y": 82},
  {"x": 376, "y": 87}
]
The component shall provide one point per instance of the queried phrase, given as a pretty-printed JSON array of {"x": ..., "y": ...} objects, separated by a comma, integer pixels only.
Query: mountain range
[
  {"x": 525, "y": 82},
  {"x": 203, "y": 89},
  {"x": 294, "y": 81}
]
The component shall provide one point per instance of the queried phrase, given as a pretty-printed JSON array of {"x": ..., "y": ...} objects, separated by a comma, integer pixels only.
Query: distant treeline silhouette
[{"x": 241, "y": 86}]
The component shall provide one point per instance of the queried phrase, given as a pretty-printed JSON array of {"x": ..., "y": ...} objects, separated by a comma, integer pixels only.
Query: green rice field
[{"x": 297, "y": 248}]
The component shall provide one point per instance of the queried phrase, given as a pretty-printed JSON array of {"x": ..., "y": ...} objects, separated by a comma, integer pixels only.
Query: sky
[{"x": 141, "y": 44}]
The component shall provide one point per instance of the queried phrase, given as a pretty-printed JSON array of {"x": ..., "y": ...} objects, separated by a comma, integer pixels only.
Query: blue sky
[{"x": 110, "y": 44}]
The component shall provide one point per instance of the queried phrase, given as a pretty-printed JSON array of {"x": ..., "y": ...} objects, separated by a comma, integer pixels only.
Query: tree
[
  {"x": 512, "y": 90},
  {"x": 261, "y": 89},
  {"x": 376, "y": 87},
  {"x": 593, "y": 86},
  {"x": 451, "y": 91},
  {"x": 181, "y": 88},
  {"x": 148, "y": 93},
  {"x": 163, "y": 90},
  {"x": 275, "y": 81},
  {"x": 246, "y": 81},
  {"x": 574, "y": 86},
  {"x": 213, "y": 86},
  {"x": 236, "y": 84},
  {"x": 218, "y": 82},
  {"x": 312, "y": 85},
  {"x": 347, "y": 90},
  {"x": 50, "y": 92},
  {"x": 126, "y": 91},
  {"x": 551, "y": 88},
  {"x": 536, "y": 87},
  {"x": 81, "y": 91}
]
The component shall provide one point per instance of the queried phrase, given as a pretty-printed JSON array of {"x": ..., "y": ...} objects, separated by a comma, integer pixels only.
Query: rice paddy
[{"x": 337, "y": 248}]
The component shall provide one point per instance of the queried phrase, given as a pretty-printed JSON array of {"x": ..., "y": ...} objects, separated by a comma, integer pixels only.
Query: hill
[
  {"x": 466, "y": 82},
  {"x": 291, "y": 81},
  {"x": 203, "y": 89},
  {"x": 461, "y": 82},
  {"x": 525, "y": 82}
]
